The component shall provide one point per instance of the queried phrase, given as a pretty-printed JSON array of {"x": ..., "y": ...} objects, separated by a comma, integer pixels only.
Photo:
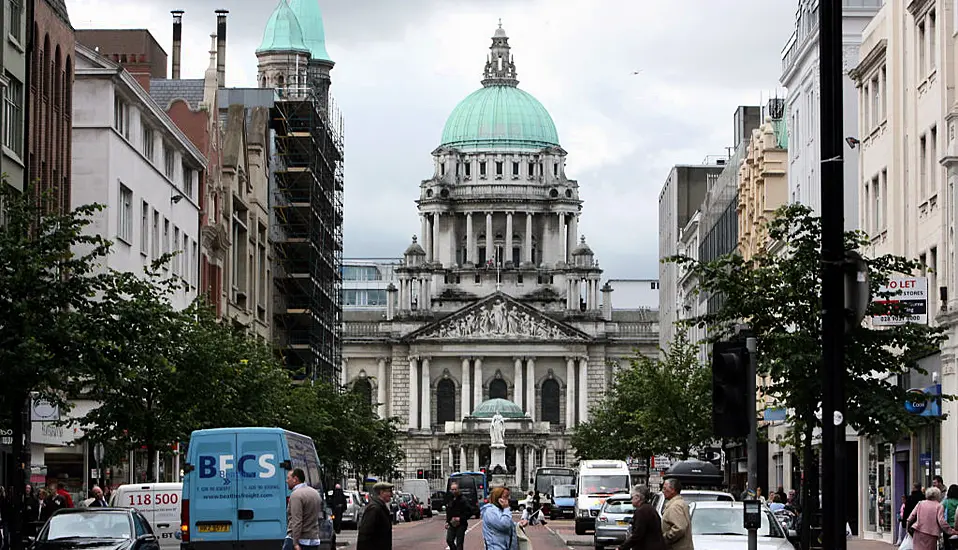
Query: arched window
[
  {"x": 550, "y": 401},
  {"x": 364, "y": 390},
  {"x": 445, "y": 401},
  {"x": 498, "y": 389}
]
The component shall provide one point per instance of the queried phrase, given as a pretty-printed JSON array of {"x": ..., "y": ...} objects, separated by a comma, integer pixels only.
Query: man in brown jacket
[
  {"x": 302, "y": 513},
  {"x": 676, "y": 521}
]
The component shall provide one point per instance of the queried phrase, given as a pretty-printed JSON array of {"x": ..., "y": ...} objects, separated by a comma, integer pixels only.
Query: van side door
[{"x": 212, "y": 489}]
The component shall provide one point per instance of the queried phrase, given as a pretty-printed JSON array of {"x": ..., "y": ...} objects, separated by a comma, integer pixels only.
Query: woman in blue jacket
[{"x": 498, "y": 529}]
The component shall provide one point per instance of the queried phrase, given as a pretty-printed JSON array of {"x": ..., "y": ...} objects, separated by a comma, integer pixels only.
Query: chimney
[
  {"x": 177, "y": 41},
  {"x": 221, "y": 47}
]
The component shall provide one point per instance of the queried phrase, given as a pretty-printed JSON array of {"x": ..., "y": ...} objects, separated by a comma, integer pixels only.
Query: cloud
[{"x": 401, "y": 67}]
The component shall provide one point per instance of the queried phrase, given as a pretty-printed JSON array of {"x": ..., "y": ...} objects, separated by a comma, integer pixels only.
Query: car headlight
[{"x": 582, "y": 513}]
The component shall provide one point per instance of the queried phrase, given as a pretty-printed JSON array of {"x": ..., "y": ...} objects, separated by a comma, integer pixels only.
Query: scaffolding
[{"x": 307, "y": 211}]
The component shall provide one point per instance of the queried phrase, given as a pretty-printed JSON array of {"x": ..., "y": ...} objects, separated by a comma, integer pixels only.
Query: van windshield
[
  {"x": 607, "y": 484},
  {"x": 563, "y": 491}
]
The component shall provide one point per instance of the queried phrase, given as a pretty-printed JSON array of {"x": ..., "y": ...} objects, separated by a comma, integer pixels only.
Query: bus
[
  {"x": 473, "y": 486},
  {"x": 545, "y": 478}
]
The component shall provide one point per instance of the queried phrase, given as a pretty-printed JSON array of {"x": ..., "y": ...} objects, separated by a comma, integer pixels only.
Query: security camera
[{"x": 852, "y": 142}]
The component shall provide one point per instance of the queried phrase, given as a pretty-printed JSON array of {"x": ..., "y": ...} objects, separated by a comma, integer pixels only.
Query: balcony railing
[
  {"x": 362, "y": 329},
  {"x": 498, "y": 191}
]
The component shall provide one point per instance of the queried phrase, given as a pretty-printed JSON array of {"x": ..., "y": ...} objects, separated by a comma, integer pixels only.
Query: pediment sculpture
[{"x": 499, "y": 319}]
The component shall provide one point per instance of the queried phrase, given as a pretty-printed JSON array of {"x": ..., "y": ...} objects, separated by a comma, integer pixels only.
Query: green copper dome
[
  {"x": 311, "y": 19},
  {"x": 500, "y": 117},
  {"x": 283, "y": 32},
  {"x": 489, "y": 408}
]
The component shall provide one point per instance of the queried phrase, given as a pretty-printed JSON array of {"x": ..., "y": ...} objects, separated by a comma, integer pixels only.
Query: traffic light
[
  {"x": 420, "y": 474},
  {"x": 729, "y": 382}
]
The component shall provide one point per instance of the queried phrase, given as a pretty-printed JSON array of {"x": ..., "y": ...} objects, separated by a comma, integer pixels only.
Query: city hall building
[{"x": 498, "y": 306}]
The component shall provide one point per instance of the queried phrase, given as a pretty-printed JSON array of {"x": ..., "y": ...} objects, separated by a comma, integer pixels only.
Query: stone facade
[
  {"x": 477, "y": 317},
  {"x": 762, "y": 185}
]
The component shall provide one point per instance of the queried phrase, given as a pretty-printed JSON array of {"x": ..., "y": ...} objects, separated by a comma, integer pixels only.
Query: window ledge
[
  {"x": 16, "y": 43},
  {"x": 13, "y": 156},
  {"x": 125, "y": 240}
]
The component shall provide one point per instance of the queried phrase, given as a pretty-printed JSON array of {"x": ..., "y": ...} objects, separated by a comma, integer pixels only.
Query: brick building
[{"x": 50, "y": 111}]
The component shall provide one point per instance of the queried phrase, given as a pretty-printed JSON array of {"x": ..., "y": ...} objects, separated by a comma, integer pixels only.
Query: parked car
[
  {"x": 693, "y": 495},
  {"x": 613, "y": 522},
  {"x": 718, "y": 525},
  {"x": 353, "y": 513},
  {"x": 407, "y": 504},
  {"x": 97, "y": 528}
]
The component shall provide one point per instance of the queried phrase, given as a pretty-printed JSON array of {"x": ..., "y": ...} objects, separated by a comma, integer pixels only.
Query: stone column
[
  {"x": 508, "y": 245},
  {"x": 413, "y": 393},
  {"x": 583, "y": 389},
  {"x": 530, "y": 457},
  {"x": 570, "y": 392},
  {"x": 452, "y": 459},
  {"x": 589, "y": 295},
  {"x": 560, "y": 251},
  {"x": 466, "y": 409},
  {"x": 531, "y": 387},
  {"x": 343, "y": 375},
  {"x": 462, "y": 459},
  {"x": 528, "y": 248},
  {"x": 490, "y": 244},
  {"x": 381, "y": 387},
  {"x": 453, "y": 240},
  {"x": 571, "y": 236},
  {"x": 517, "y": 379},
  {"x": 426, "y": 236},
  {"x": 475, "y": 459},
  {"x": 426, "y": 396},
  {"x": 477, "y": 384},
  {"x": 434, "y": 244},
  {"x": 470, "y": 240}
]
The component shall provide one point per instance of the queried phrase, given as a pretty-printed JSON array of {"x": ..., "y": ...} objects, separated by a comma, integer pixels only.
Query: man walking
[
  {"x": 458, "y": 510},
  {"x": 302, "y": 513},
  {"x": 376, "y": 527},
  {"x": 98, "y": 500},
  {"x": 676, "y": 521},
  {"x": 338, "y": 503}
]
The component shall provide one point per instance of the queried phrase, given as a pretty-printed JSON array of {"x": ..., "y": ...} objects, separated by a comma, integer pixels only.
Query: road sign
[{"x": 910, "y": 295}]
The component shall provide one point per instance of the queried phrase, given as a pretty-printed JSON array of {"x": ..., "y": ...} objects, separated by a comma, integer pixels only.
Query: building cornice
[
  {"x": 872, "y": 60},
  {"x": 132, "y": 87}
]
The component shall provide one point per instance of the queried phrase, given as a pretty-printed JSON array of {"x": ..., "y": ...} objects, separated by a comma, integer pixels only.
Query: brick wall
[{"x": 51, "y": 107}]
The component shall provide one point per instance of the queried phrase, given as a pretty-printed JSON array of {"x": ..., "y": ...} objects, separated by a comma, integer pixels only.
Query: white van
[
  {"x": 419, "y": 488},
  {"x": 159, "y": 503},
  {"x": 596, "y": 481}
]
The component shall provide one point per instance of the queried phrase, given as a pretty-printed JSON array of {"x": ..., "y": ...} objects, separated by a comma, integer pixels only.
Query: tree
[
  {"x": 657, "y": 406},
  {"x": 374, "y": 447},
  {"x": 146, "y": 397},
  {"x": 779, "y": 295},
  {"x": 48, "y": 278}
]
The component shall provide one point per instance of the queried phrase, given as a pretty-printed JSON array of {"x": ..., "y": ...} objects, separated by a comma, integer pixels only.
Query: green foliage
[
  {"x": 345, "y": 429},
  {"x": 778, "y": 295},
  {"x": 658, "y": 406},
  {"x": 48, "y": 278}
]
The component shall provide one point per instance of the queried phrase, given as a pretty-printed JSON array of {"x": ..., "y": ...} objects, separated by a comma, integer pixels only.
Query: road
[{"x": 430, "y": 534}]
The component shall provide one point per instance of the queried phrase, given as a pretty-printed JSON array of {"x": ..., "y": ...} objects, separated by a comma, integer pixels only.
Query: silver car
[
  {"x": 718, "y": 525},
  {"x": 354, "y": 509},
  {"x": 613, "y": 522}
]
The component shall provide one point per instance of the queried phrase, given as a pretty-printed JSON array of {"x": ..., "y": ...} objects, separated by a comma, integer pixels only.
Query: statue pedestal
[{"x": 498, "y": 457}]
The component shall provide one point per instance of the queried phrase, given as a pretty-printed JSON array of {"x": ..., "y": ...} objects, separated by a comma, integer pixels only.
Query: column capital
[
  {"x": 531, "y": 358},
  {"x": 518, "y": 358},
  {"x": 466, "y": 358},
  {"x": 382, "y": 359},
  {"x": 584, "y": 358}
]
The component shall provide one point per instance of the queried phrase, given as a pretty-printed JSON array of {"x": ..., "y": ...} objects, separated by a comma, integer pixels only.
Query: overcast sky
[{"x": 403, "y": 65}]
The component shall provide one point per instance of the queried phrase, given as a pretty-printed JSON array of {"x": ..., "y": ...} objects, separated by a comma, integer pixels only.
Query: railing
[
  {"x": 362, "y": 329},
  {"x": 498, "y": 190},
  {"x": 637, "y": 329}
]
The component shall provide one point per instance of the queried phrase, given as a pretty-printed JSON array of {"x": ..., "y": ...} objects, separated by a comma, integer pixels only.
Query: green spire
[
  {"x": 311, "y": 19},
  {"x": 283, "y": 32}
]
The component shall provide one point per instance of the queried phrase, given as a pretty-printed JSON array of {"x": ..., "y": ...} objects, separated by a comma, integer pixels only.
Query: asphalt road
[{"x": 430, "y": 534}]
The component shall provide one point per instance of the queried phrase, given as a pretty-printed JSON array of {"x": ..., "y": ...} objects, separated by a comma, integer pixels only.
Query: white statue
[{"x": 497, "y": 430}]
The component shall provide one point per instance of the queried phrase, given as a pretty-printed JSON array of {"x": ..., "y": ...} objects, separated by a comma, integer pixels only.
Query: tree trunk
[{"x": 20, "y": 420}]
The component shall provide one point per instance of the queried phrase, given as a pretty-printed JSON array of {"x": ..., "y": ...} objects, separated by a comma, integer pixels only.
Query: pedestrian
[
  {"x": 781, "y": 494},
  {"x": 926, "y": 523},
  {"x": 646, "y": 532},
  {"x": 98, "y": 500},
  {"x": 31, "y": 512},
  {"x": 375, "y": 531},
  {"x": 676, "y": 521},
  {"x": 902, "y": 519},
  {"x": 338, "y": 503},
  {"x": 498, "y": 529},
  {"x": 938, "y": 483},
  {"x": 54, "y": 488},
  {"x": 458, "y": 512},
  {"x": 303, "y": 511},
  {"x": 917, "y": 495}
]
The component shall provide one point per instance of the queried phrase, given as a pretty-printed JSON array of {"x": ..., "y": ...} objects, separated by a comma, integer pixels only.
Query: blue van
[{"x": 234, "y": 488}]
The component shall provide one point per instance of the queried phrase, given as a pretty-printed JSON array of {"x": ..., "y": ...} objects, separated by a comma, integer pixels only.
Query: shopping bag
[{"x": 907, "y": 543}]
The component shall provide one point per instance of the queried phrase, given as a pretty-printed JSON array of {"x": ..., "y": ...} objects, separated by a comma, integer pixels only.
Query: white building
[
  {"x": 366, "y": 282},
  {"x": 800, "y": 74},
  {"x": 906, "y": 84},
  {"x": 129, "y": 156},
  {"x": 499, "y": 306}
]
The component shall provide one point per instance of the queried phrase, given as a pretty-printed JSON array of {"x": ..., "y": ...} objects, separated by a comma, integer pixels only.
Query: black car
[
  {"x": 437, "y": 501},
  {"x": 93, "y": 528}
]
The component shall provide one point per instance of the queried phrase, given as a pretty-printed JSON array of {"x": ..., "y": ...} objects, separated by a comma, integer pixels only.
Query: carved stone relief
[{"x": 500, "y": 320}]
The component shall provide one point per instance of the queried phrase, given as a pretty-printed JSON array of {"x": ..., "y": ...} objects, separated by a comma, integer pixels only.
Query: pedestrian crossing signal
[{"x": 420, "y": 474}]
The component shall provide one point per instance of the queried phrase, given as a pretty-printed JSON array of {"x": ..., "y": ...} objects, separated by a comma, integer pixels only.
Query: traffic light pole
[
  {"x": 833, "y": 284},
  {"x": 752, "y": 443}
]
